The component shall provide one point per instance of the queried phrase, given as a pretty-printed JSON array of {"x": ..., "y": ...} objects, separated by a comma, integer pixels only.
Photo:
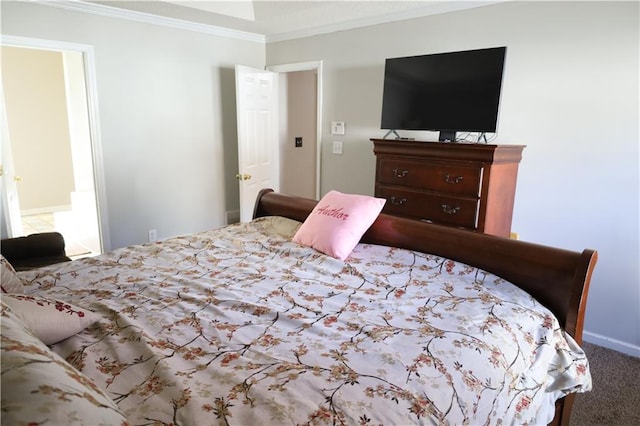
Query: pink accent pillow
[{"x": 337, "y": 223}]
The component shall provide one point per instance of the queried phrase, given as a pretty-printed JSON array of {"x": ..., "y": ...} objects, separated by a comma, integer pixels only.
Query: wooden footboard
[{"x": 557, "y": 278}]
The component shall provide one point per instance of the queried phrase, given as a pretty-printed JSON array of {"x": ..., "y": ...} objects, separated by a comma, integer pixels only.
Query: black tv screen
[{"x": 446, "y": 92}]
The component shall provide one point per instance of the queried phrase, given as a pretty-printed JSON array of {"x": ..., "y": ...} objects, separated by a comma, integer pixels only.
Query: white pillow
[
  {"x": 50, "y": 320},
  {"x": 11, "y": 283},
  {"x": 39, "y": 387}
]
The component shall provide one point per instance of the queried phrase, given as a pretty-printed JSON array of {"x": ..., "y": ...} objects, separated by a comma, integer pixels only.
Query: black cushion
[{"x": 34, "y": 250}]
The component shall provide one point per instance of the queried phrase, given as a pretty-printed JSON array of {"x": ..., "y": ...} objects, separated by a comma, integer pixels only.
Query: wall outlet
[
  {"x": 298, "y": 141},
  {"x": 153, "y": 235},
  {"x": 337, "y": 147}
]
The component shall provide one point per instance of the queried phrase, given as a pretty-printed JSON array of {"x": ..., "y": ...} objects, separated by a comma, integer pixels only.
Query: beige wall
[
  {"x": 34, "y": 90},
  {"x": 167, "y": 110},
  {"x": 570, "y": 94},
  {"x": 166, "y": 105}
]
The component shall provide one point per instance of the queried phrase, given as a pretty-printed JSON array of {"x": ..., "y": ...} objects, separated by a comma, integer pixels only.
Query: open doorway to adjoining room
[{"x": 51, "y": 129}]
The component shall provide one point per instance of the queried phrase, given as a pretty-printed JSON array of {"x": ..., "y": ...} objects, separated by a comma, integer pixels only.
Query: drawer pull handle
[
  {"x": 450, "y": 209},
  {"x": 449, "y": 179},
  {"x": 397, "y": 202},
  {"x": 400, "y": 174}
]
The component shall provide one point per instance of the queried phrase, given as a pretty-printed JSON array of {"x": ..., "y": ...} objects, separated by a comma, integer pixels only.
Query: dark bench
[{"x": 34, "y": 251}]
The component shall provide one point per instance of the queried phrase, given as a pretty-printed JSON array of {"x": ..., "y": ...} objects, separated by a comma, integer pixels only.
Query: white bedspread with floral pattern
[{"x": 241, "y": 326}]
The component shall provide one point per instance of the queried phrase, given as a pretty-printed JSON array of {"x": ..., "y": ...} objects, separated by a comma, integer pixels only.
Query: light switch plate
[
  {"x": 337, "y": 127},
  {"x": 337, "y": 147}
]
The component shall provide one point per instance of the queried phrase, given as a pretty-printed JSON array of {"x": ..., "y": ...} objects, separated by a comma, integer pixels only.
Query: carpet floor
[{"x": 615, "y": 398}]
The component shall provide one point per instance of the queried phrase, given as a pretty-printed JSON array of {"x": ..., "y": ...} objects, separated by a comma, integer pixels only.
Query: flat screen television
[{"x": 445, "y": 92}]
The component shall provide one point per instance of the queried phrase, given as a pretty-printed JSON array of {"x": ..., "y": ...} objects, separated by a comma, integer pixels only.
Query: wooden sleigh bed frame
[{"x": 557, "y": 278}]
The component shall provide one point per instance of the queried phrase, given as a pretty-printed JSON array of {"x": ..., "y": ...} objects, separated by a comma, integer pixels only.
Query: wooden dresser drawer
[
  {"x": 469, "y": 186},
  {"x": 433, "y": 176},
  {"x": 448, "y": 210}
]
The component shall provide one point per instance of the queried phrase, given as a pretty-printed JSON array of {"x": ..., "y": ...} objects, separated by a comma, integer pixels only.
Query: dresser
[{"x": 470, "y": 186}]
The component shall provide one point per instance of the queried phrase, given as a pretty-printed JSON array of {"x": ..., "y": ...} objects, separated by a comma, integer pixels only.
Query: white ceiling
[{"x": 284, "y": 19}]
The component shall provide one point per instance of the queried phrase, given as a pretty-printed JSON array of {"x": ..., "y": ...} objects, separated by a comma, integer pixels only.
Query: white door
[
  {"x": 258, "y": 152},
  {"x": 10, "y": 201}
]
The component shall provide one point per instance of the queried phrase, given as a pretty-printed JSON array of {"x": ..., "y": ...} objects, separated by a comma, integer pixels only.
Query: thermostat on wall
[{"x": 337, "y": 127}]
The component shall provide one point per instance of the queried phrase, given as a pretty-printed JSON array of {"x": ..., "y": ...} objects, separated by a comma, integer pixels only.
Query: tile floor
[
  {"x": 45, "y": 222},
  {"x": 35, "y": 223}
]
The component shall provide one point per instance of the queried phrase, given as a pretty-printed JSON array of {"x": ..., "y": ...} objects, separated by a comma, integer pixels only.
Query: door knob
[{"x": 18, "y": 178}]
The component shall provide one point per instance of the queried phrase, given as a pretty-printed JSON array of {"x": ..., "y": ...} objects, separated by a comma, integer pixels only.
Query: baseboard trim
[
  {"x": 610, "y": 343},
  {"x": 43, "y": 210}
]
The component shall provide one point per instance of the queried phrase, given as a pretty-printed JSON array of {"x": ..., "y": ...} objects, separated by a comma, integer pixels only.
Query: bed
[{"x": 420, "y": 324}]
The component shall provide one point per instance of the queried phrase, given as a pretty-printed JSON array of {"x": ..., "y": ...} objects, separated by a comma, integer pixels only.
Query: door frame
[
  {"x": 11, "y": 225},
  {"x": 317, "y": 67},
  {"x": 88, "y": 58}
]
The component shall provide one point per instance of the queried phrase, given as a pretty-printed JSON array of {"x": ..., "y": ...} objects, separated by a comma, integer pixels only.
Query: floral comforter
[{"x": 241, "y": 326}]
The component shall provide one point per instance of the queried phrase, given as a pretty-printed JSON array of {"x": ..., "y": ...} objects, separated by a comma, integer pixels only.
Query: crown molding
[
  {"x": 434, "y": 8},
  {"x": 114, "y": 12}
]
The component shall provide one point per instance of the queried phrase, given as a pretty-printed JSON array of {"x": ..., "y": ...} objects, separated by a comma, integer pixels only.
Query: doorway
[
  {"x": 300, "y": 127},
  {"x": 298, "y": 133},
  {"x": 51, "y": 123},
  {"x": 277, "y": 110}
]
